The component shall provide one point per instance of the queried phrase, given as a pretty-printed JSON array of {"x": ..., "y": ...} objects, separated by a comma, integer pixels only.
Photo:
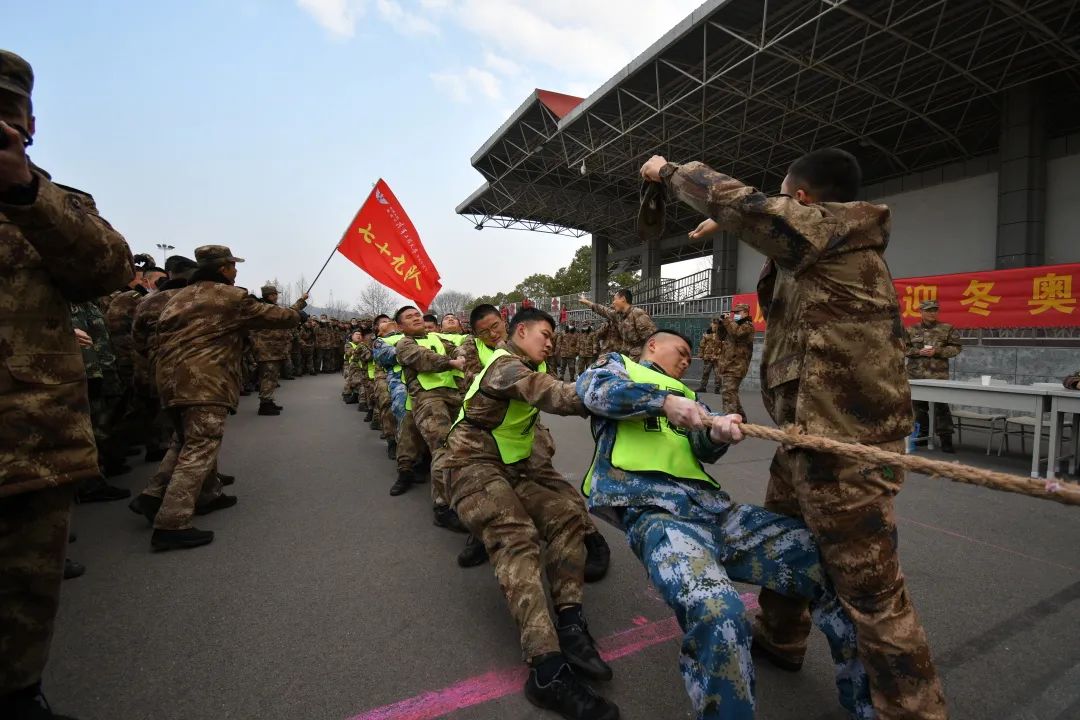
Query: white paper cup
[{"x": 985, "y": 379}]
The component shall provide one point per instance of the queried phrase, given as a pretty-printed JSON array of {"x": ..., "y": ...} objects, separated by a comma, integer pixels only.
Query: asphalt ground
[{"x": 324, "y": 597}]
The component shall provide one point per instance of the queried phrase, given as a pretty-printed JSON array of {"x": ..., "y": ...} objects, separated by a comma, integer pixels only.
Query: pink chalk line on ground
[{"x": 500, "y": 683}]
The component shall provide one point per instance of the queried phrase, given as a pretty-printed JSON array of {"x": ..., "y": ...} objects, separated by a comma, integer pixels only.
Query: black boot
[
  {"x": 279, "y": 407},
  {"x": 391, "y": 449},
  {"x": 112, "y": 469},
  {"x": 946, "y": 444},
  {"x": 101, "y": 491},
  {"x": 219, "y": 503},
  {"x": 28, "y": 704},
  {"x": 597, "y": 557},
  {"x": 73, "y": 568},
  {"x": 180, "y": 539},
  {"x": 267, "y": 407},
  {"x": 376, "y": 425},
  {"x": 404, "y": 480},
  {"x": 226, "y": 480},
  {"x": 447, "y": 518},
  {"x": 474, "y": 553},
  {"x": 567, "y": 695},
  {"x": 762, "y": 648},
  {"x": 351, "y": 399},
  {"x": 578, "y": 646},
  {"x": 370, "y": 417},
  {"x": 145, "y": 505}
]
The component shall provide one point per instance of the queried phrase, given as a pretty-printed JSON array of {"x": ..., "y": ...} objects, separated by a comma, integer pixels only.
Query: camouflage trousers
[
  {"x": 380, "y": 403},
  {"x": 288, "y": 370},
  {"x": 399, "y": 396},
  {"x": 942, "y": 418},
  {"x": 434, "y": 412},
  {"x": 694, "y": 562},
  {"x": 539, "y": 469},
  {"x": 367, "y": 392},
  {"x": 188, "y": 474},
  {"x": 707, "y": 366},
  {"x": 296, "y": 359},
  {"x": 352, "y": 379},
  {"x": 268, "y": 379},
  {"x": 848, "y": 506},
  {"x": 411, "y": 448},
  {"x": 730, "y": 382},
  {"x": 307, "y": 361},
  {"x": 33, "y": 542},
  {"x": 513, "y": 515}
]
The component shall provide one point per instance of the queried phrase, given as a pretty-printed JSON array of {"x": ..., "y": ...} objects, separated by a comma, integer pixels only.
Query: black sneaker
[
  {"x": 350, "y": 399},
  {"x": 180, "y": 539},
  {"x": 404, "y": 480},
  {"x": 145, "y": 505},
  {"x": 114, "y": 469},
  {"x": 391, "y": 449},
  {"x": 73, "y": 568},
  {"x": 447, "y": 518},
  {"x": 597, "y": 557},
  {"x": 370, "y": 417},
  {"x": 567, "y": 695},
  {"x": 268, "y": 408},
  {"x": 474, "y": 553},
  {"x": 279, "y": 407},
  {"x": 219, "y": 503},
  {"x": 579, "y": 649},
  {"x": 226, "y": 480},
  {"x": 102, "y": 493}
]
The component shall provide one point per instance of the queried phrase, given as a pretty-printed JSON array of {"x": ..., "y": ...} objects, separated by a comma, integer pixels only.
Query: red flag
[{"x": 382, "y": 241}]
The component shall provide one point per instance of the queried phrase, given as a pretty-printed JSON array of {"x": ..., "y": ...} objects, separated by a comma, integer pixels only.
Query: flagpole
[{"x": 322, "y": 268}]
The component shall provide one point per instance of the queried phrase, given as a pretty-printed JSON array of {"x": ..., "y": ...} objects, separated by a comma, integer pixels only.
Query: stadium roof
[{"x": 749, "y": 85}]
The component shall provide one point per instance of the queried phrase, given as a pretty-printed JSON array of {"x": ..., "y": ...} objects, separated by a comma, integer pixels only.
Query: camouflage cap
[
  {"x": 215, "y": 255},
  {"x": 745, "y": 307},
  {"x": 16, "y": 75},
  {"x": 268, "y": 290},
  {"x": 928, "y": 305}
]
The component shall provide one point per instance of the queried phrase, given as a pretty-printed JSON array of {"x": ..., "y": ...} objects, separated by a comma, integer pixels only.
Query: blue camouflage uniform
[
  {"x": 386, "y": 356},
  {"x": 694, "y": 541}
]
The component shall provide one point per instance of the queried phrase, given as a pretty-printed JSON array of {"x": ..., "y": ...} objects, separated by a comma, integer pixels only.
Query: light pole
[{"x": 164, "y": 248}]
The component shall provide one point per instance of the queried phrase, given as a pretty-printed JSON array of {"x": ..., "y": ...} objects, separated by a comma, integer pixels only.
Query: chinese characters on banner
[
  {"x": 1022, "y": 297},
  {"x": 382, "y": 241}
]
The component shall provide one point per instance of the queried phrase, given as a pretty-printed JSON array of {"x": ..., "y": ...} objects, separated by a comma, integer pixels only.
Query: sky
[{"x": 263, "y": 124}]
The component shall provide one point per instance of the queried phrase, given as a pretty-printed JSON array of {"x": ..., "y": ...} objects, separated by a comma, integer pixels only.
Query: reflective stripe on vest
[
  {"x": 432, "y": 380},
  {"x": 514, "y": 435},
  {"x": 651, "y": 444}
]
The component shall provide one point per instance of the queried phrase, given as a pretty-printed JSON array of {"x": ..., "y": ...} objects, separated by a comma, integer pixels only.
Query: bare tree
[
  {"x": 375, "y": 298},
  {"x": 285, "y": 296},
  {"x": 452, "y": 301}
]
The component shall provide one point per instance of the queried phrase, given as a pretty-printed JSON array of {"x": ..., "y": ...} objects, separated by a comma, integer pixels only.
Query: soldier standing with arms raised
[
  {"x": 833, "y": 365},
  {"x": 630, "y": 325},
  {"x": 54, "y": 250},
  {"x": 930, "y": 345}
]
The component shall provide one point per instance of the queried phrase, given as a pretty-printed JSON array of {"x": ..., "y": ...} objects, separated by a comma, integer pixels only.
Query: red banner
[
  {"x": 1022, "y": 297},
  {"x": 382, "y": 241}
]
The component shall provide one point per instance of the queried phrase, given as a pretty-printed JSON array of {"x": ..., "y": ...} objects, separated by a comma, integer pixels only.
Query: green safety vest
[
  {"x": 651, "y": 444},
  {"x": 456, "y": 338},
  {"x": 514, "y": 435},
  {"x": 432, "y": 380},
  {"x": 484, "y": 352},
  {"x": 352, "y": 346}
]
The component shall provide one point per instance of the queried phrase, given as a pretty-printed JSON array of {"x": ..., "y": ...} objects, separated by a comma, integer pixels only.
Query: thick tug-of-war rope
[{"x": 1048, "y": 490}]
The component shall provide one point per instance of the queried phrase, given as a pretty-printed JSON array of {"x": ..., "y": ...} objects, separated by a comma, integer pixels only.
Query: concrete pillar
[
  {"x": 599, "y": 268},
  {"x": 725, "y": 263},
  {"x": 1021, "y": 237}
]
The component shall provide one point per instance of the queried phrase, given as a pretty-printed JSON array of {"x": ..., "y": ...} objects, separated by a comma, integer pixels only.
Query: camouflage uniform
[
  {"x": 269, "y": 349},
  {"x": 510, "y": 511},
  {"x": 735, "y": 347},
  {"x": 103, "y": 384},
  {"x": 694, "y": 541},
  {"x": 199, "y": 342},
  {"x": 707, "y": 353},
  {"x": 555, "y": 360},
  {"x": 570, "y": 344},
  {"x": 833, "y": 365},
  {"x": 54, "y": 250},
  {"x": 295, "y": 360},
  {"x": 942, "y": 338},
  {"x": 586, "y": 350},
  {"x": 307, "y": 348},
  {"x": 433, "y": 411},
  {"x": 130, "y": 421},
  {"x": 143, "y": 332},
  {"x": 325, "y": 347},
  {"x": 397, "y": 421},
  {"x": 629, "y": 329}
]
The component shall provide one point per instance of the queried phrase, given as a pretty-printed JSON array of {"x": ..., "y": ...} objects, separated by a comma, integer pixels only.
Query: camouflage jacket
[
  {"x": 54, "y": 250},
  {"x": 469, "y": 353},
  {"x": 307, "y": 337},
  {"x": 587, "y": 344},
  {"x": 99, "y": 359},
  {"x": 143, "y": 337},
  {"x": 834, "y": 320},
  {"x": 415, "y": 359},
  {"x": 507, "y": 378},
  {"x": 610, "y": 395},
  {"x": 271, "y": 344},
  {"x": 119, "y": 316},
  {"x": 628, "y": 328},
  {"x": 557, "y": 343},
  {"x": 570, "y": 343},
  {"x": 1072, "y": 382},
  {"x": 325, "y": 337},
  {"x": 735, "y": 346},
  {"x": 946, "y": 345},
  {"x": 707, "y": 346},
  {"x": 200, "y": 339}
]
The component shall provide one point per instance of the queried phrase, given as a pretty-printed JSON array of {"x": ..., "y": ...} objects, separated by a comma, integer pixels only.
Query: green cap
[
  {"x": 16, "y": 75},
  {"x": 215, "y": 255},
  {"x": 928, "y": 305}
]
